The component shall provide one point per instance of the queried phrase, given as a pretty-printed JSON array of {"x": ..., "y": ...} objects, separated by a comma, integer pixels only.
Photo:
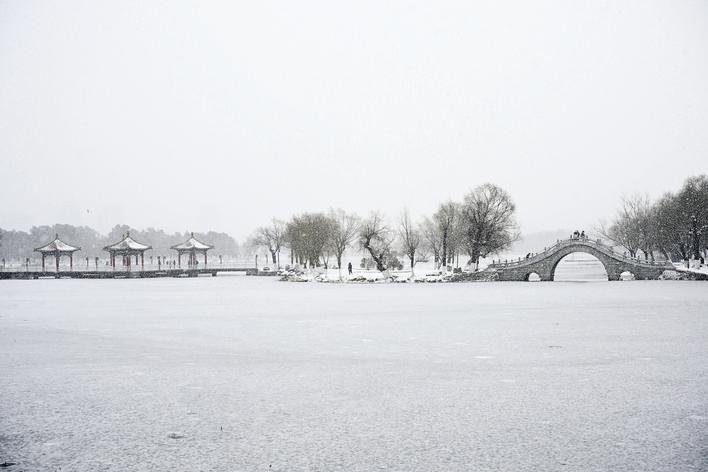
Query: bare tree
[
  {"x": 345, "y": 229},
  {"x": 680, "y": 220},
  {"x": 423, "y": 252},
  {"x": 445, "y": 219},
  {"x": 431, "y": 240},
  {"x": 693, "y": 201},
  {"x": 670, "y": 238},
  {"x": 645, "y": 216},
  {"x": 410, "y": 239},
  {"x": 376, "y": 238},
  {"x": 272, "y": 238},
  {"x": 487, "y": 219},
  {"x": 308, "y": 236},
  {"x": 632, "y": 226},
  {"x": 456, "y": 240}
]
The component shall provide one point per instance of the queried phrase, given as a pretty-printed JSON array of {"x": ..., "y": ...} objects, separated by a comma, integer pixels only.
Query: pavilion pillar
[
  {"x": 205, "y": 259},
  {"x": 71, "y": 262},
  {"x": 43, "y": 268},
  {"x": 142, "y": 261},
  {"x": 179, "y": 259},
  {"x": 56, "y": 256}
]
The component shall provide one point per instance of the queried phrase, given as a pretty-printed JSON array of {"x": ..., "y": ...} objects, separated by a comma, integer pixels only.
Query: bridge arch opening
[
  {"x": 579, "y": 267},
  {"x": 533, "y": 277}
]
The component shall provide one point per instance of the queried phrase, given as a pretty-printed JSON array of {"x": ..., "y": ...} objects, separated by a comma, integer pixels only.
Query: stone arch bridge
[{"x": 544, "y": 264}]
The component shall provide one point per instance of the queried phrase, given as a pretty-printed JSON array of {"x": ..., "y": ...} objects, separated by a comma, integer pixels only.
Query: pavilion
[
  {"x": 127, "y": 247},
  {"x": 58, "y": 248},
  {"x": 192, "y": 246}
]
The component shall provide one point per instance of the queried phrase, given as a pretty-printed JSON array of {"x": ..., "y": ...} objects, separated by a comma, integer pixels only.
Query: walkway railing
[{"x": 35, "y": 267}]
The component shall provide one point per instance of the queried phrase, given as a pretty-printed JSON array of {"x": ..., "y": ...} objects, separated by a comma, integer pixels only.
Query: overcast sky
[{"x": 196, "y": 116}]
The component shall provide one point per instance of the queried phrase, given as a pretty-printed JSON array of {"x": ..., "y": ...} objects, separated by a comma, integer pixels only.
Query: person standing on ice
[{"x": 349, "y": 268}]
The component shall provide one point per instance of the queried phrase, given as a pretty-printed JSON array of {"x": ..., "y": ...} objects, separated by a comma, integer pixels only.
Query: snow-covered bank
[
  {"x": 374, "y": 276},
  {"x": 695, "y": 272},
  {"x": 572, "y": 270}
]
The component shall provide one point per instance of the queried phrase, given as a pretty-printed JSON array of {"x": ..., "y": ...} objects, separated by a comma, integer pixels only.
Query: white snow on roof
[
  {"x": 57, "y": 245},
  {"x": 192, "y": 243},
  {"x": 127, "y": 243}
]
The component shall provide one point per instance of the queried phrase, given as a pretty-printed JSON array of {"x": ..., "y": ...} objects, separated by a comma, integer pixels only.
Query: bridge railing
[{"x": 534, "y": 257}]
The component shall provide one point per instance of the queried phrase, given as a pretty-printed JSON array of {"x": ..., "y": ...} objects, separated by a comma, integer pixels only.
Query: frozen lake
[{"x": 254, "y": 374}]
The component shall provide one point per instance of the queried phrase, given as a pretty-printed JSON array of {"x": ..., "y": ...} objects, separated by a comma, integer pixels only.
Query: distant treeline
[
  {"x": 21, "y": 244},
  {"x": 674, "y": 226}
]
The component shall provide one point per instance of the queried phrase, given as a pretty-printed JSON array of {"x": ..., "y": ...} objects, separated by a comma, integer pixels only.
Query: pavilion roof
[
  {"x": 127, "y": 244},
  {"x": 57, "y": 246},
  {"x": 192, "y": 243}
]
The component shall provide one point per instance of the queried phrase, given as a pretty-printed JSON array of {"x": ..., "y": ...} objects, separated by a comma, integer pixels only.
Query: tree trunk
[
  {"x": 474, "y": 257},
  {"x": 378, "y": 258},
  {"x": 444, "y": 248}
]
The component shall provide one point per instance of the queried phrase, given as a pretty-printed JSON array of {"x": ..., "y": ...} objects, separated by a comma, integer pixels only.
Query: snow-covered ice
[{"x": 240, "y": 373}]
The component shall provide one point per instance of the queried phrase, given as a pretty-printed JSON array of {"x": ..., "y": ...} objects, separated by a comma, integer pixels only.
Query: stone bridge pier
[{"x": 545, "y": 263}]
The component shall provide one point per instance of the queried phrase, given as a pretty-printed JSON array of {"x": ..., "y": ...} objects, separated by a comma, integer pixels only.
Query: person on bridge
[{"x": 582, "y": 235}]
